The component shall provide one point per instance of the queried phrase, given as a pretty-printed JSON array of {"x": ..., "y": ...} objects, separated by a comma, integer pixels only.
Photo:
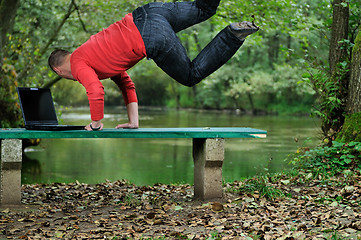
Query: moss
[
  {"x": 357, "y": 46},
  {"x": 351, "y": 129}
]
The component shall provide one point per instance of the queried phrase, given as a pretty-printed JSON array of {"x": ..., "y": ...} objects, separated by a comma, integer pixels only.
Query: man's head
[{"x": 59, "y": 62}]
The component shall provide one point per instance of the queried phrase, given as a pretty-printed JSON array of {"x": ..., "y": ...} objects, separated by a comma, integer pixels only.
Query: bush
[{"x": 330, "y": 160}]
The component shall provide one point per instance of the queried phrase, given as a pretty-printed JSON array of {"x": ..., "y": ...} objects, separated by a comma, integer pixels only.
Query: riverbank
[{"x": 308, "y": 208}]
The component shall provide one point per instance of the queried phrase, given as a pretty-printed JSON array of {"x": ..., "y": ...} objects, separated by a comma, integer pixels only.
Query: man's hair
[{"x": 56, "y": 58}]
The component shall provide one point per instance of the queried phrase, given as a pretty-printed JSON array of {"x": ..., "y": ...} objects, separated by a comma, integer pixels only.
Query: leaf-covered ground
[{"x": 310, "y": 209}]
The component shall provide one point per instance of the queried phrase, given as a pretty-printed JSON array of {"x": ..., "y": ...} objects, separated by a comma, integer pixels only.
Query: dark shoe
[{"x": 243, "y": 29}]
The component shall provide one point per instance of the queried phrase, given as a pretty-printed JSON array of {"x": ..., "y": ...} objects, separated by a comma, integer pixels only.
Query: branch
[
  {"x": 57, "y": 30},
  {"x": 51, "y": 40},
  {"x": 52, "y": 82},
  {"x": 81, "y": 21}
]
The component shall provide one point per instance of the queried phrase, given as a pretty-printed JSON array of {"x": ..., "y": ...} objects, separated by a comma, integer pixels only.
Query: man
[{"x": 149, "y": 31}]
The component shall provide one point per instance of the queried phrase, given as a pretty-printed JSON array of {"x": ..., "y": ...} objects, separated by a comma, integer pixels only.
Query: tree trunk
[
  {"x": 354, "y": 87},
  {"x": 339, "y": 31},
  {"x": 351, "y": 129},
  {"x": 289, "y": 46},
  {"x": 273, "y": 50},
  {"x": 339, "y": 75}
]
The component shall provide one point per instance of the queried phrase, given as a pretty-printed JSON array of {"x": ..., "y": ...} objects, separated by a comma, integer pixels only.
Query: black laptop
[{"x": 38, "y": 110}]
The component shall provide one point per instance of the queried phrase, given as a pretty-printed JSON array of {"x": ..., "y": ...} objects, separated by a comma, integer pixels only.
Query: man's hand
[
  {"x": 95, "y": 126},
  {"x": 132, "y": 109},
  {"x": 127, "y": 125}
]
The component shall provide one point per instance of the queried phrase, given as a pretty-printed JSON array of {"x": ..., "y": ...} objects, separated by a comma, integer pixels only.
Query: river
[{"x": 169, "y": 161}]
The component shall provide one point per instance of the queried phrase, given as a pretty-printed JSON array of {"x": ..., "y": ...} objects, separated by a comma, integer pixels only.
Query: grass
[{"x": 261, "y": 186}]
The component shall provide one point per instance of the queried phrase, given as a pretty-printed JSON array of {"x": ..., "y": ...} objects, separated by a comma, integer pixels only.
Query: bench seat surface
[{"x": 213, "y": 132}]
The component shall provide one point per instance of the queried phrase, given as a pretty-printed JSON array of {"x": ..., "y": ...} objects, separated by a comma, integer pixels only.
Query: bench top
[{"x": 213, "y": 132}]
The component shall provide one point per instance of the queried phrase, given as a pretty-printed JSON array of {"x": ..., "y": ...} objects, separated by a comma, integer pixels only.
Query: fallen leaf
[
  {"x": 216, "y": 206},
  {"x": 285, "y": 182},
  {"x": 158, "y": 222}
]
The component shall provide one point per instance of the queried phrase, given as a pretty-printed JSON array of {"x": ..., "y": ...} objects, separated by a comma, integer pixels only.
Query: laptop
[{"x": 38, "y": 110}]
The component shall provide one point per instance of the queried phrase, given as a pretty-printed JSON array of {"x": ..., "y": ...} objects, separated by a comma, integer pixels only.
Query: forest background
[{"x": 287, "y": 67}]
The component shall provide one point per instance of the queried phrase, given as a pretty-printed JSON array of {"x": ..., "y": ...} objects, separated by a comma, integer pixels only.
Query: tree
[
  {"x": 339, "y": 32},
  {"x": 8, "y": 10},
  {"x": 9, "y": 111},
  {"x": 337, "y": 84},
  {"x": 339, "y": 68},
  {"x": 345, "y": 64},
  {"x": 354, "y": 96},
  {"x": 351, "y": 129}
]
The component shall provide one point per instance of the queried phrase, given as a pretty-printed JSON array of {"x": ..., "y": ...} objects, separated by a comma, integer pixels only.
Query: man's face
[{"x": 64, "y": 73}]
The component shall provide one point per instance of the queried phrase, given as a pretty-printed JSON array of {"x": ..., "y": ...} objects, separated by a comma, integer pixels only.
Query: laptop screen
[{"x": 37, "y": 106}]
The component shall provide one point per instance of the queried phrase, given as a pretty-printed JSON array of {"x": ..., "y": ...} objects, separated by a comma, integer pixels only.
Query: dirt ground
[{"x": 309, "y": 209}]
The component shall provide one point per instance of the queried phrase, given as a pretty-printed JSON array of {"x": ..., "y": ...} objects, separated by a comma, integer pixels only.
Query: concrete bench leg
[
  {"x": 208, "y": 156},
  {"x": 10, "y": 180}
]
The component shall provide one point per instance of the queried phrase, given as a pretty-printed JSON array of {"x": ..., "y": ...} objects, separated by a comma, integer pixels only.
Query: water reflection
[
  {"x": 31, "y": 167},
  {"x": 149, "y": 161}
]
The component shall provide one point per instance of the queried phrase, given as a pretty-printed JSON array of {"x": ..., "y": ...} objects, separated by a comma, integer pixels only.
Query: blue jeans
[{"x": 158, "y": 24}]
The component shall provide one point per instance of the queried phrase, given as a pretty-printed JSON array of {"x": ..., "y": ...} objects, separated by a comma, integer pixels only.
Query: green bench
[{"x": 208, "y": 154}]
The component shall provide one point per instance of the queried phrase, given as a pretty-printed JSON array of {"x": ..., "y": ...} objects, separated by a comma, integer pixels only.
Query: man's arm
[
  {"x": 132, "y": 109},
  {"x": 127, "y": 87},
  {"x": 95, "y": 92}
]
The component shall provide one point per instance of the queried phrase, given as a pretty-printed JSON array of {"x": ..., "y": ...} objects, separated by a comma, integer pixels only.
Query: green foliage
[
  {"x": 151, "y": 90},
  {"x": 10, "y": 109},
  {"x": 70, "y": 93},
  {"x": 210, "y": 93},
  {"x": 255, "y": 88},
  {"x": 265, "y": 73},
  {"x": 151, "y": 83},
  {"x": 330, "y": 160},
  {"x": 330, "y": 102},
  {"x": 18, "y": 53}
]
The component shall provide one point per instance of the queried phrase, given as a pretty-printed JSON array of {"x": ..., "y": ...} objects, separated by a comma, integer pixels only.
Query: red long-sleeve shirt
[{"x": 108, "y": 54}]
